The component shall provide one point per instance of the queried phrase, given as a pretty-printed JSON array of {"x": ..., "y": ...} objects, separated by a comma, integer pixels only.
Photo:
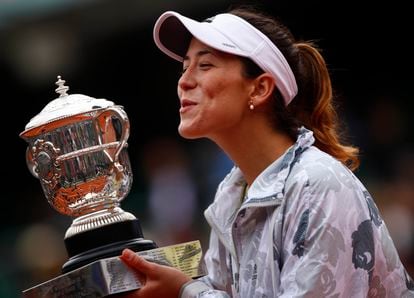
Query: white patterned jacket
[{"x": 307, "y": 228}]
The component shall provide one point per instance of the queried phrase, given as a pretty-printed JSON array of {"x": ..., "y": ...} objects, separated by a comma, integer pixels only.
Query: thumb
[{"x": 135, "y": 261}]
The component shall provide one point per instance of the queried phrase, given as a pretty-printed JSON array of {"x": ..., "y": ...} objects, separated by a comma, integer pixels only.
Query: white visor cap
[{"x": 227, "y": 33}]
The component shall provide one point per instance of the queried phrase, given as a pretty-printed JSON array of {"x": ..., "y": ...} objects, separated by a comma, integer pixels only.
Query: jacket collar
[
  {"x": 269, "y": 185},
  {"x": 266, "y": 190}
]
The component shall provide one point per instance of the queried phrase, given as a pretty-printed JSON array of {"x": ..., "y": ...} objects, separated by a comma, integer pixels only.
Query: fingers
[{"x": 135, "y": 261}]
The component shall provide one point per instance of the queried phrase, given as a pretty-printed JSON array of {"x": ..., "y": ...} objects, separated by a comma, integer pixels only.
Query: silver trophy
[{"x": 78, "y": 151}]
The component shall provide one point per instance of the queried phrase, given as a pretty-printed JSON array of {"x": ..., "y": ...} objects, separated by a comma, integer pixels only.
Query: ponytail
[{"x": 314, "y": 106}]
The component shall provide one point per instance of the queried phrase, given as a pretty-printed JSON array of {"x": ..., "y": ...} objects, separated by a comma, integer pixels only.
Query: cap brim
[{"x": 171, "y": 36}]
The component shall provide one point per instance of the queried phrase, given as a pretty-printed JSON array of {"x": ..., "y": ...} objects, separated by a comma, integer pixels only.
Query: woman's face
[{"x": 212, "y": 92}]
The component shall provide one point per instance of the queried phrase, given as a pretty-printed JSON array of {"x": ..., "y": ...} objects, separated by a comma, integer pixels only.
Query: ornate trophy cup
[{"x": 78, "y": 151}]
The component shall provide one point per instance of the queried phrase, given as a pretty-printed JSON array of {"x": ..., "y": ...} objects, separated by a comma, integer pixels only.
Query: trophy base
[
  {"x": 103, "y": 242},
  {"x": 109, "y": 276}
]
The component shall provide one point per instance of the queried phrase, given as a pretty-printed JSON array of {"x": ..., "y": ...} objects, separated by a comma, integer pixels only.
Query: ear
[{"x": 262, "y": 90}]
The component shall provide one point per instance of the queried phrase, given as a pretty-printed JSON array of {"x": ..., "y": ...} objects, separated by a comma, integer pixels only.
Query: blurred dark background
[{"x": 104, "y": 49}]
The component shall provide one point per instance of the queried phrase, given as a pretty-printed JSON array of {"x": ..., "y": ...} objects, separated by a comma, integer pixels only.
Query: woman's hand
[{"x": 157, "y": 280}]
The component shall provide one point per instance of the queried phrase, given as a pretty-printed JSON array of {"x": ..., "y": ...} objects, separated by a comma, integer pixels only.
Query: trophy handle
[
  {"x": 108, "y": 131},
  {"x": 41, "y": 159}
]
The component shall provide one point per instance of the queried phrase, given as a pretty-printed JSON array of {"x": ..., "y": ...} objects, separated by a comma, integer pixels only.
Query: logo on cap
[{"x": 229, "y": 45}]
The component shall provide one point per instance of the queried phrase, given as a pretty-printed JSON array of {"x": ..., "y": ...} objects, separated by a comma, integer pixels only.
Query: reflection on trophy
[{"x": 78, "y": 151}]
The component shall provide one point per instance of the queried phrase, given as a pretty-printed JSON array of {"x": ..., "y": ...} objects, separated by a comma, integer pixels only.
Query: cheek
[
  {"x": 221, "y": 87},
  {"x": 213, "y": 88}
]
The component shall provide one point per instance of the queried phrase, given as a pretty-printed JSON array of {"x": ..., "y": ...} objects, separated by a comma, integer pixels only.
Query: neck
[{"x": 255, "y": 150}]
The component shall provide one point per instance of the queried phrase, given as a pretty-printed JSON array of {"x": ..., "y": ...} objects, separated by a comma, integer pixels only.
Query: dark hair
[{"x": 313, "y": 106}]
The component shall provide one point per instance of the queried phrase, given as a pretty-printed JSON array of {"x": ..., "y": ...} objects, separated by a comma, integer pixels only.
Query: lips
[{"x": 186, "y": 105}]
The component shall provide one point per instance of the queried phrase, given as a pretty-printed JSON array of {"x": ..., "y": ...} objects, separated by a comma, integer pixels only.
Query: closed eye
[{"x": 205, "y": 65}]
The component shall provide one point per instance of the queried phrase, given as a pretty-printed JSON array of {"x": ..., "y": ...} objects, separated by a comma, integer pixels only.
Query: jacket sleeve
[{"x": 212, "y": 285}]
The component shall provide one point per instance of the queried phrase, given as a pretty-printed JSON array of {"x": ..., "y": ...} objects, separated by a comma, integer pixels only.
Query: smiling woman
[{"x": 290, "y": 219}]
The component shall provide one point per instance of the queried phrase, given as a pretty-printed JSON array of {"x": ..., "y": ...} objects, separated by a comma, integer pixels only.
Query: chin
[{"x": 189, "y": 133}]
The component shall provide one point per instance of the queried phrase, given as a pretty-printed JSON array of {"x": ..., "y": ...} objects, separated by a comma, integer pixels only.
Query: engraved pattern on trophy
[{"x": 45, "y": 164}]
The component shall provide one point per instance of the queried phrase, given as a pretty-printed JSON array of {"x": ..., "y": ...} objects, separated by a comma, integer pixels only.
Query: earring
[{"x": 251, "y": 105}]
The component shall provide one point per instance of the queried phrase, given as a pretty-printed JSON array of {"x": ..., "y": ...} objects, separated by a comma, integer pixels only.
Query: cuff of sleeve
[{"x": 191, "y": 288}]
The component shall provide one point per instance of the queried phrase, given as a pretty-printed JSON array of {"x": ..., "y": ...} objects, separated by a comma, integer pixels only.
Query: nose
[{"x": 187, "y": 80}]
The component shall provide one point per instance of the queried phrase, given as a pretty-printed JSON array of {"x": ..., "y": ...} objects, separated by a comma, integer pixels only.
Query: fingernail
[{"x": 127, "y": 254}]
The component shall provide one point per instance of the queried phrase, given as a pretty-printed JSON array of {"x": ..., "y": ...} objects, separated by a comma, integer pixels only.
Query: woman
[{"x": 291, "y": 219}]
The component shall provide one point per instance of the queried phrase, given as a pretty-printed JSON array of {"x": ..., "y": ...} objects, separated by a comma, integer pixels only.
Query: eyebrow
[{"x": 199, "y": 54}]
